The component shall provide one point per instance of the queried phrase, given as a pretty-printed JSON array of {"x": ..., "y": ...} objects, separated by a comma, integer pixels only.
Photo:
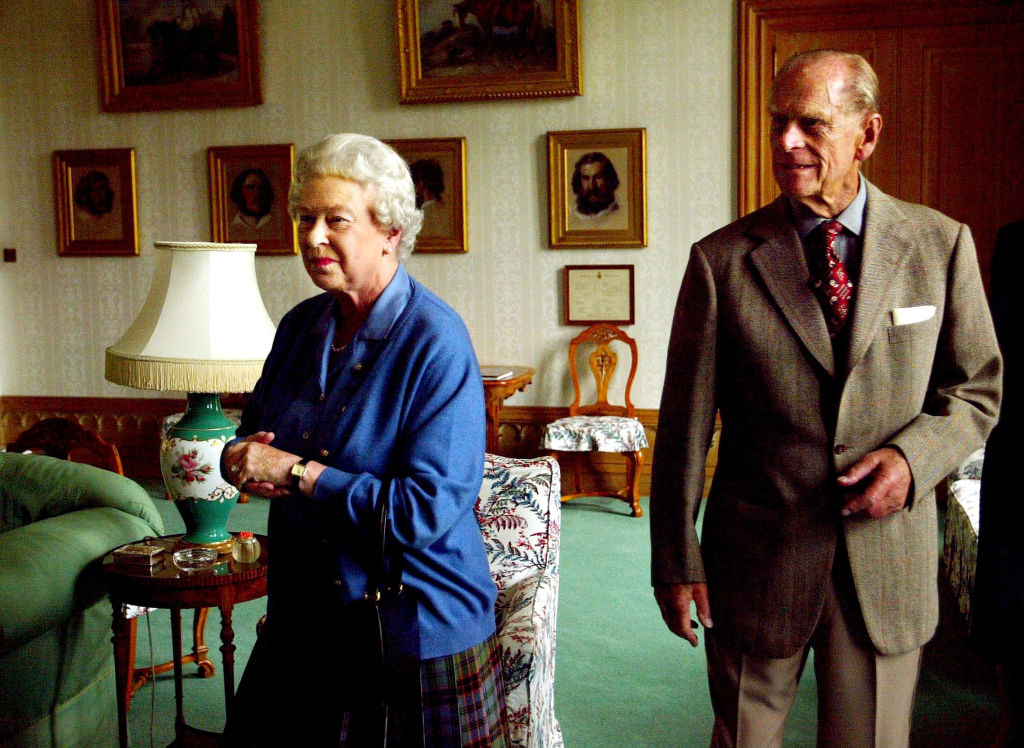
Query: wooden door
[{"x": 952, "y": 83}]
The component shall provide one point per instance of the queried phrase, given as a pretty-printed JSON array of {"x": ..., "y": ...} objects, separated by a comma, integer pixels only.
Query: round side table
[{"x": 221, "y": 585}]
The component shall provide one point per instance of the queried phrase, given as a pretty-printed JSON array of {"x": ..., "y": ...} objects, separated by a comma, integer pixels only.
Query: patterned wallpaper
[{"x": 328, "y": 66}]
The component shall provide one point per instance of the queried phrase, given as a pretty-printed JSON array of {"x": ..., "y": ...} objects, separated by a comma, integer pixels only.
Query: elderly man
[{"x": 844, "y": 338}]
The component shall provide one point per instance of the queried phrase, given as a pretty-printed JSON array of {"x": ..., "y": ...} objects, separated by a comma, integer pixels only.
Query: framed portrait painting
[
  {"x": 599, "y": 293},
  {"x": 487, "y": 49},
  {"x": 249, "y": 196},
  {"x": 95, "y": 203},
  {"x": 168, "y": 54},
  {"x": 438, "y": 167},
  {"x": 597, "y": 188}
]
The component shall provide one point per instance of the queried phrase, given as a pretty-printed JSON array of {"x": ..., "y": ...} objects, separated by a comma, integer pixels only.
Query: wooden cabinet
[{"x": 952, "y": 82}]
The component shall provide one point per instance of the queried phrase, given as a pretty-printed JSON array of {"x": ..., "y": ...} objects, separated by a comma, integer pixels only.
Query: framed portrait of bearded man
[
  {"x": 249, "y": 196},
  {"x": 597, "y": 186}
]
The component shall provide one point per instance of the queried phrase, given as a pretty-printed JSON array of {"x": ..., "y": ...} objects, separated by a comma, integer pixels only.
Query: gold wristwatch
[{"x": 297, "y": 471}]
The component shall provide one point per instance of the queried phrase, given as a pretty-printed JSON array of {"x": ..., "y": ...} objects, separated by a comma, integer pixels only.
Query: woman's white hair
[{"x": 376, "y": 167}]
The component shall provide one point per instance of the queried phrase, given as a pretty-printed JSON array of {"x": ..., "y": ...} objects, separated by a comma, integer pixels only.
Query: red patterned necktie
[{"x": 831, "y": 281}]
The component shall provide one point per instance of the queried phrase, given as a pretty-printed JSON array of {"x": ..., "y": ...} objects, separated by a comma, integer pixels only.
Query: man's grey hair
[{"x": 862, "y": 94}]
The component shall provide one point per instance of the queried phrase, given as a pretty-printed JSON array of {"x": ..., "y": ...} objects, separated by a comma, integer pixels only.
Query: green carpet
[{"x": 622, "y": 680}]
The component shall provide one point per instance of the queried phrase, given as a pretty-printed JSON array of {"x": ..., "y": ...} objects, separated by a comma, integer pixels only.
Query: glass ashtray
[{"x": 194, "y": 559}]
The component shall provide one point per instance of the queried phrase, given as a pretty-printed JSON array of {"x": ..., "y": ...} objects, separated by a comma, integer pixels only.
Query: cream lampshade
[{"x": 203, "y": 329}]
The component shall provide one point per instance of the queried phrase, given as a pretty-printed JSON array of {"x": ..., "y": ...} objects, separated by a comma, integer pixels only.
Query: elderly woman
[{"x": 370, "y": 394}]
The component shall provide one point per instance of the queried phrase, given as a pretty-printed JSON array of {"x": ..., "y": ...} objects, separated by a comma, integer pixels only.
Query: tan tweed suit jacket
[{"x": 749, "y": 340}]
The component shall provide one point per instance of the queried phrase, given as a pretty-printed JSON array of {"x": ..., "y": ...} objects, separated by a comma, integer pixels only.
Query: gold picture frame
[
  {"x": 438, "y": 167},
  {"x": 597, "y": 184},
  {"x": 162, "y": 54},
  {"x": 535, "y": 52},
  {"x": 249, "y": 196},
  {"x": 95, "y": 203},
  {"x": 599, "y": 293}
]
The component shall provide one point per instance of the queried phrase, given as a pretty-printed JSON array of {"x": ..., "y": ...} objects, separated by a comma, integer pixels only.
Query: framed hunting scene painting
[{"x": 487, "y": 49}]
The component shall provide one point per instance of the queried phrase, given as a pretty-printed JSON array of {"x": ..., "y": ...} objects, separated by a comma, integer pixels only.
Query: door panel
[
  {"x": 952, "y": 83},
  {"x": 970, "y": 142}
]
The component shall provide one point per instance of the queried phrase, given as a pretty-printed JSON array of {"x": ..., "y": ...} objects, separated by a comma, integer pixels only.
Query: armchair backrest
[{"x": 519, "y": 511}]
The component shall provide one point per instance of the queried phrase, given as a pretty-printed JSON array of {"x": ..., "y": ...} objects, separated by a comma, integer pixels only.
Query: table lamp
[{"x": 203, "y": 330}]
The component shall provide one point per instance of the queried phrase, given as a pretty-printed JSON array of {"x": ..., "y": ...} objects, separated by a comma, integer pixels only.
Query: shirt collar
[
  {"x": 388, "y": 306},
  {"x": 386, "y": 309},
  {"x": 852, "y": 217}
]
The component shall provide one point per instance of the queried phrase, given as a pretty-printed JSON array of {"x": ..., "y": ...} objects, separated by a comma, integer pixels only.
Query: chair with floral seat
[{"x": 601, "y": 426}]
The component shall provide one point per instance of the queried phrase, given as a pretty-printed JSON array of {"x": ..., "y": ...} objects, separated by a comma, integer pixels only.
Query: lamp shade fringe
[{"x": 182, "y": 375}]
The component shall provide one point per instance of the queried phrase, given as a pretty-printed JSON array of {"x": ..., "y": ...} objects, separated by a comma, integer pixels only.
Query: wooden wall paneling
[
  {"x": 133, "y": 426},
  {"x": 130, "y": 424}
]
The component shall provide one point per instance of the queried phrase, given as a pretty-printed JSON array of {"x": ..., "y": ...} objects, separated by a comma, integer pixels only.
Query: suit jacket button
[{"x": 840, "y": 448}]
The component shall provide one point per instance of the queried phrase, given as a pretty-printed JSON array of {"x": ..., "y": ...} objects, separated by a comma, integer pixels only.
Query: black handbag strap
[{"x": 388, "y": 568}]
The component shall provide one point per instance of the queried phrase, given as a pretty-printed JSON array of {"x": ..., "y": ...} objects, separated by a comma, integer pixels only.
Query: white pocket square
[{"x": 911, "y": 314}]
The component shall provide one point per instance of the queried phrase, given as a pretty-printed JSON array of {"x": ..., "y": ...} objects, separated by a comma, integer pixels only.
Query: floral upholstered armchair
[
  {"x": 519, "y": 510},
  {"x": 960, "y": 535}
]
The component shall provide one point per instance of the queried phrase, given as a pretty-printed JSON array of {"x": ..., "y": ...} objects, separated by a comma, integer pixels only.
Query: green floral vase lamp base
[
  {"x": 190, "y": 464},
  {"x": 203, "y": 330}
]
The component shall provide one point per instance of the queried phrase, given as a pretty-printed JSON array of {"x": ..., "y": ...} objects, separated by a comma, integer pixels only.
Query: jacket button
[
  {"x": 322, "y": 397},
  {"x": 324, "y": 453},
  {"x": 338, "y": 583},
  {"x": 840, "y": 448},
  {"x": 359, "y": 367},
  {"x": 305, "y": 435}
]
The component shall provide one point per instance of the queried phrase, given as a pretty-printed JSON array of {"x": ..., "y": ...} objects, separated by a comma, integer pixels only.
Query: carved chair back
[{"x": 602, "y": 362}]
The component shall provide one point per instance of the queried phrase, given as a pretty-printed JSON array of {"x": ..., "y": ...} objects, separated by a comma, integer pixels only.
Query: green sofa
[{"x": 57, "y": 521}]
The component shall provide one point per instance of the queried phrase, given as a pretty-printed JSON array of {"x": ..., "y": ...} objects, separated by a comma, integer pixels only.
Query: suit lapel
[
  {"x": 883, "y": 251},
  {"x": 779, "y": 260}
]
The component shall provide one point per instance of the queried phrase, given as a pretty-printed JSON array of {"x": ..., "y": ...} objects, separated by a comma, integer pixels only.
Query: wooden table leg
[
  {"x": 179, "y": 708},
  {"x": 121, "y": 641},
  {"x": 492, "y": 403},
  {"x": 227, "y": 649},
  {"x": 199, "y": 648}
]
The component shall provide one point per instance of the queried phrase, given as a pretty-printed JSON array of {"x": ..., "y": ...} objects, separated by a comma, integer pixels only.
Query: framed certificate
[{"x": 599, "y": 293}]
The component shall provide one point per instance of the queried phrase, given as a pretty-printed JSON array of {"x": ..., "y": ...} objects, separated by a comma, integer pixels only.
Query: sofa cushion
[
  {"x": 34, "y": 487},
  {"x": 60, "y": 519}
]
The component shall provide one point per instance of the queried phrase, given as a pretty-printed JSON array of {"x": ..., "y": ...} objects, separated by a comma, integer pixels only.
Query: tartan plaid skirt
[{"x": 463, "y": 700}]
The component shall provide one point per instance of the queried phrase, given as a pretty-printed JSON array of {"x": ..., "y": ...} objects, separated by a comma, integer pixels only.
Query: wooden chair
[
  {"x": 67, "y": 440},
  {"x": 601, "y": 426}
]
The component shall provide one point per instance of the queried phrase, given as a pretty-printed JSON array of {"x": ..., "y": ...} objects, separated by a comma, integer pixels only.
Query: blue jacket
[{"x": 398, "y": 417}]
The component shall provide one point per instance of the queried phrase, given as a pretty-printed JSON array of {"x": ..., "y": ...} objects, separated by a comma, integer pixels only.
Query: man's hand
[
  {"x": 877, "y": 484},
  {"x": 674, "y": 601},
  {"x": 257, "y": 468}
]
